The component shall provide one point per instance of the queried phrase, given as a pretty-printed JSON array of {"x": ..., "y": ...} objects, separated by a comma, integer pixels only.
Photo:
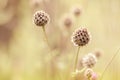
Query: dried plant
[
  {"x": 80, "y": 38},
  {"x": 41, "y": 18}
]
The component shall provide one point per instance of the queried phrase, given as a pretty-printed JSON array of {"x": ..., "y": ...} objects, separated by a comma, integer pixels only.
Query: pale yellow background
[{"x": 24, "y": 54}]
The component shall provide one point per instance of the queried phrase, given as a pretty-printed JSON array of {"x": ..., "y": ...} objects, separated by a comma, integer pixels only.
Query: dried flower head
[
  {"x": 68, "y": 22},
  {"x": 80, "y": 37},
  {"x": 77, "y": 11},
  {"x": 89, "y": 60},
  {"x": 41, "y": 18},
  {"x": 88, "y": 73}
]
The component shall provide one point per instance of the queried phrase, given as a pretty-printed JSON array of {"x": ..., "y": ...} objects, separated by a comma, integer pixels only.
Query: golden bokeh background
[{"x": 24, "y": 54}]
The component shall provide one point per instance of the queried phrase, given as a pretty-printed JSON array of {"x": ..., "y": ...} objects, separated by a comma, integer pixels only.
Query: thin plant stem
[
  {"x": 47, "y": 42},
  {"x": 46, "y": 38},
  {"x": 109, "y": 63},
  {"x": 76, "y": 59}
]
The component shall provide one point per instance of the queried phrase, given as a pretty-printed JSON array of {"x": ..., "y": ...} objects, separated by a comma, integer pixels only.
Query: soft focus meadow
[{"x": 25, "y": 55}]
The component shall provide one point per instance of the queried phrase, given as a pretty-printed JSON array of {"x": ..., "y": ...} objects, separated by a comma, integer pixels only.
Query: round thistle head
[
  {"x": 41, "y": 18},
  {"x": 80, "y": 37},
  {"x": 68, "y": 22},
  {"x": 88, "y": 73},
  {"x": 89, "y": 60}
]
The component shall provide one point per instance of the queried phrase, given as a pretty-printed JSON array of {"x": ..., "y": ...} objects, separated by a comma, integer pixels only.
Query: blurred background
[{"x": 24, "y": 55}]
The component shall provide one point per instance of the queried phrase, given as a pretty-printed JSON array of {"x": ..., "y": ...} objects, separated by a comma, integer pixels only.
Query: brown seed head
[
  {"x": 41, "y": 18},
  {"x": 80, "y": 37}
]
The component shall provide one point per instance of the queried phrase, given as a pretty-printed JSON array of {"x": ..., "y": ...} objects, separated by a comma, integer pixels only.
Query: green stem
[
  {"x": 109, "y": 63},
  {"x": 76, "y": 59}
]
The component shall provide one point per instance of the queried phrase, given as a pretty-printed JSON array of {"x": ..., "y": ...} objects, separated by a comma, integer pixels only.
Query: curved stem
[
  {"x": 76, "y": 59},
  {"x": 109, "y": 63}
]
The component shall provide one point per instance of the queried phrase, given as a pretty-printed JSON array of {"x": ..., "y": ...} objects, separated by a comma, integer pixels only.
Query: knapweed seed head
[
  {"x": 88, "y": 73},
  {"x": 41, "y": 18},
  {"x": 80, "y": 37},
  {"x": 89, "y": 60}
]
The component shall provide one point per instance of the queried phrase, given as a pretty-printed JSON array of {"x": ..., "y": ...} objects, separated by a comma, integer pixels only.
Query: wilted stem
[
  {"x": 109, "y": 63},
  {"x": 76, "y": 59}
]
